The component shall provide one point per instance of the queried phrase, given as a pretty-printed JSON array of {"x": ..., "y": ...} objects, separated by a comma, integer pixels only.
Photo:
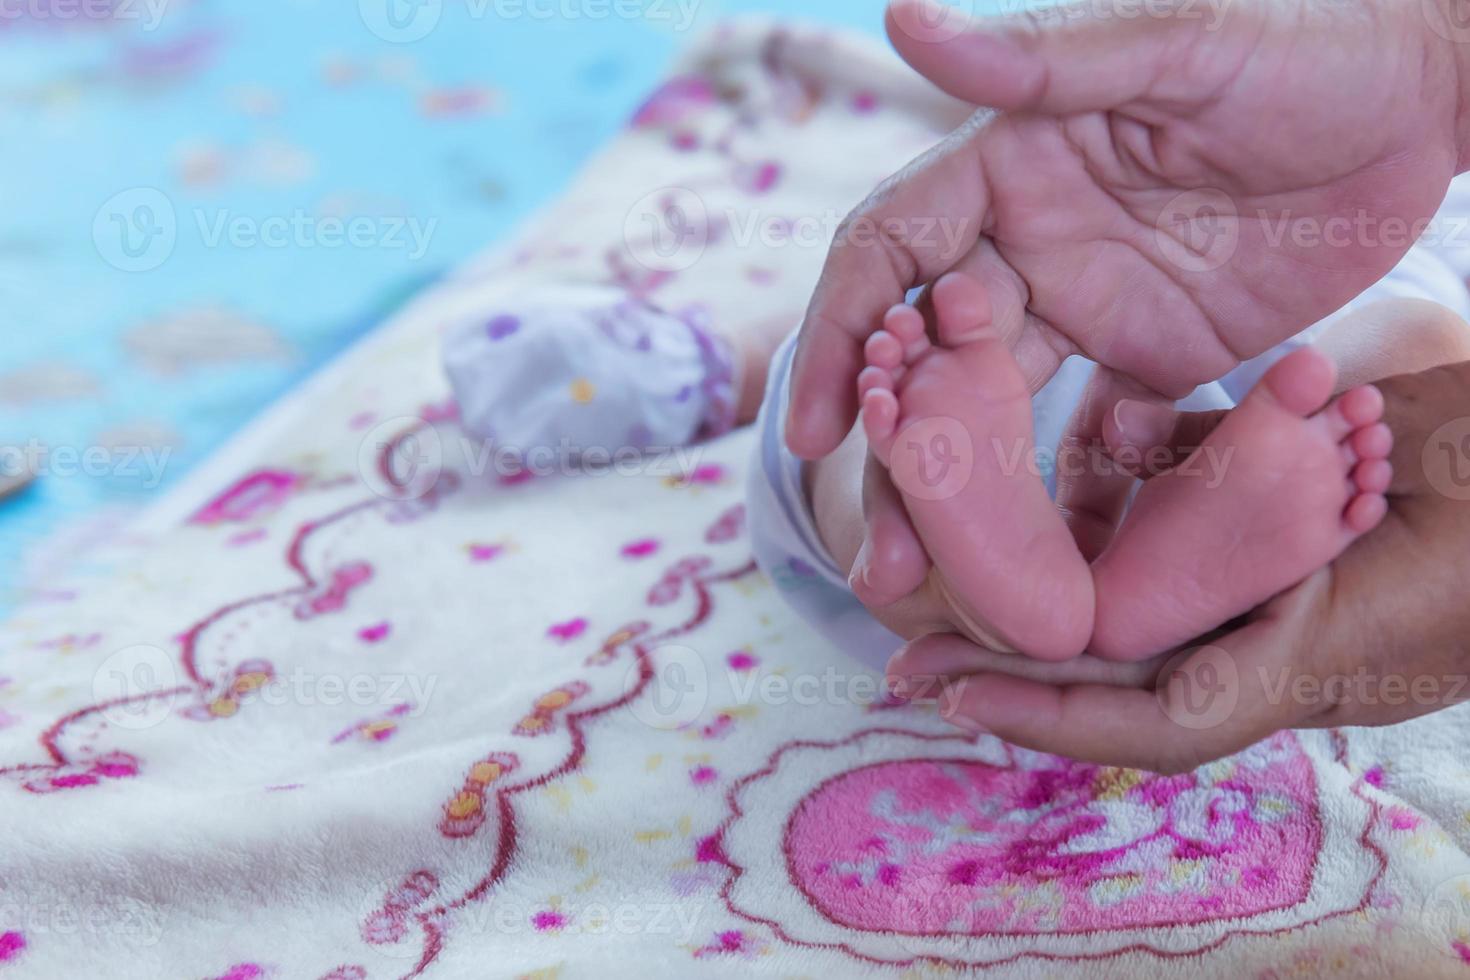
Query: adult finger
[
  {"x": 1208, "y": 703},
  {"x": 1055, "y": 60},
  {"x": 1146, "y": 439},
  {"x": 918, "y": 667},
  {"x": 1091, "y": 491},
  {"x": 1038, "y": 348},
  {"x": 909, "y": 231}
]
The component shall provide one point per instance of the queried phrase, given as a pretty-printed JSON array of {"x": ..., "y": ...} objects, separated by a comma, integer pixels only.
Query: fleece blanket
[
  {"x": 385, "y": 705},
  {"x": 153, "y": 306}
]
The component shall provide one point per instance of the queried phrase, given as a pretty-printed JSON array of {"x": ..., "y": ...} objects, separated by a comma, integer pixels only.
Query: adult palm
[{"x": 1167, "y": 195}]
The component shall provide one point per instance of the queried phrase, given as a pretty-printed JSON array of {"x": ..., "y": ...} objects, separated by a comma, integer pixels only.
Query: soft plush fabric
[
  {"x": 215, "y": 198},
  {"x": 382, "y": 706}
]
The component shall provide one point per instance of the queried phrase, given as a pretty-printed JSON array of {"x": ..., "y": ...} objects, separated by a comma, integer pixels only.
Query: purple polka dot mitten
[{"x": 582, "y": 368}]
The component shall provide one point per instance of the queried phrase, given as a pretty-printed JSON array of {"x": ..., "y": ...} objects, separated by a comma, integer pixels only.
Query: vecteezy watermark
[
  {"x": 932, "y": 458},
  {"x": 359, "y": 689},
  {"x": 137, "y": 687},
  {"x": 669, "y": 230},
  {"x": 401, "y": 459},
  {"x": 1450, "y": 19},
  {"x": 386, "y": 911},
  {"x": 1212, "y": 12},
  {"x": 141, "y": 686},
  {"x": 407, "y": 21},
  {"x": 933, "y": 22},
  {"x": 1208, "y": 464},
  {"x": 676, "y": 686},
  {"x": 1200, "y": 689},
  {"x": 676, "y": 691},
  {"x": 1444, "y": 917},
  {"x": 404, "y": 459},
  {"x": 138, "y": 230},
  {"x": 1362, "y": 229},
  {"x": 144, "y": 465},
  {"x": 1199, "y": 230},
  {"x": 620, "y": 916},
  {"x": 146, "y": 14},
  {"x": 1446, "y": 459},
  {"x": 935, "y": 459},
  {"x": 806, "y": 690},
  {"x": 1364, "y": 688},
  {"x": 86, "y": 917}
]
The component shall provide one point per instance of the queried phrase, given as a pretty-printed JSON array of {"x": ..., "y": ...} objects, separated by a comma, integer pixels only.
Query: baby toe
[
  {"x": 1372, "y": 476},
  {"x": 1353, "y": 410},
  {"x": 1301, "y": 383},
  {"x": 907, "y": 326},
  {"x": 1362, "y": 406},
  {"x": 884, "y": 350},
  {"x": 872, "y": 377},
  {"x": 880, "y": 417},
  {"x": 1365, "y": 512},
  {"x": 1371, "y": 442}
]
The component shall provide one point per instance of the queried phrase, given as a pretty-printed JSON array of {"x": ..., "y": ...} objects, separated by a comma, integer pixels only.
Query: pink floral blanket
[{"x": 380, "y": 705}]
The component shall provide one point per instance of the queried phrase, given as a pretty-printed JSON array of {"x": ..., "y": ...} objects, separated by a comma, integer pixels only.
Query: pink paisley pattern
[{"x": 255, "y": 496}]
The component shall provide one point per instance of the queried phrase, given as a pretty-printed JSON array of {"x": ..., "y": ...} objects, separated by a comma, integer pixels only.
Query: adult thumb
[{"x": 1058, "y": 60}]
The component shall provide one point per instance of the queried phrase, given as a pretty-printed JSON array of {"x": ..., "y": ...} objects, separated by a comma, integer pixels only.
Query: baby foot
[
  {"x": 1279, "y": 489},
  {"x": 952, "y": 423},
  {"x": 892, "y": 563}
]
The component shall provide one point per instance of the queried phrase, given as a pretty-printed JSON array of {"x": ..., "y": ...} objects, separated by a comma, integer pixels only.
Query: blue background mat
[{"x": 169, "y": 262}]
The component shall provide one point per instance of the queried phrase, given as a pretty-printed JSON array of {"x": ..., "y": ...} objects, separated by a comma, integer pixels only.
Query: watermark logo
[
  {"x": 401, "y": 459},
  {"x": 667, "y": 230},
  {"x": 1201, "y": 690},
  {"x": 146, "y": 14},
  {"x": 87, "y": 917},
  {"x": 933, "y": 458},
  {"x": 1211, "y": 12},
  {"x": 1446, "y": 459},
  {"x": 1445, "y": 916},
  {"x": 139, "y": 229},
  {"x": 1198, "y": 231},
  {"x": 1450, "y": 19},
  {"x": 146, "y": 466},
  {"x": 676, "y": 694},
  {"x": 137, "y": 687},
  {"x": 1363, "y": 688},
  {"x": 136, "y": 230},
  {"x": 932, "y": 22},
  {"x": 401, "y": 21}
]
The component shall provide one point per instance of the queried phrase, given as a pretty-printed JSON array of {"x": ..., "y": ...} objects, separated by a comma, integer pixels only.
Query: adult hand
[
  {"x": 1380, "y": 636},
  {"x": 1166, "y": 194}
]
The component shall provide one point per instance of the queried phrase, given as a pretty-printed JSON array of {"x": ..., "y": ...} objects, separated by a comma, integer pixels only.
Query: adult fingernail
[
  {"x": 857, "y": 579},
  {"x": 1142, "y": 425},
  {"x": 952, "y": 698}
]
